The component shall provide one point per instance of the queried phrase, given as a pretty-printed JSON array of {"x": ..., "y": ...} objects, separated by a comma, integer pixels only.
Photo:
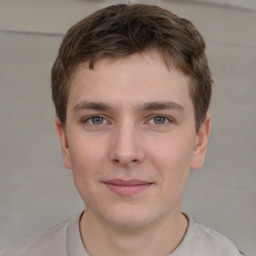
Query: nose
[{"x": 125, "y": 146}]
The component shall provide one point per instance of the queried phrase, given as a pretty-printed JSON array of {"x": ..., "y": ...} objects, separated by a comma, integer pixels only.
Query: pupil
[
  {"x": 159, "y": 120},
  {"x": 97, "y": 120}
]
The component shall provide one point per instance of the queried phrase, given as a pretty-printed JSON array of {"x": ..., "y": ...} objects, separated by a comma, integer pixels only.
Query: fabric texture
[{"x": 64, "y": 239}]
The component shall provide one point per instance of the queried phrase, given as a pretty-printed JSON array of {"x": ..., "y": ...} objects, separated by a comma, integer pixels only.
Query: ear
[
  {"x": 64, "y": 144},
  {"x": 201, "y": 141}
]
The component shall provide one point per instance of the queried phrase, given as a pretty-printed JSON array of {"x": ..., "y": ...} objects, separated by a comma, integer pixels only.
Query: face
[{"x": 130, "y": 139}]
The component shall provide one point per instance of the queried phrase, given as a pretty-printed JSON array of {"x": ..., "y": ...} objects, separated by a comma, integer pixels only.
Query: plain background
[{"x": 35, "y": 189}]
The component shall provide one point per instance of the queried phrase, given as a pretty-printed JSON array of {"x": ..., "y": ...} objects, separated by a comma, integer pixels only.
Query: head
[
  {"x": 122, "y": 30},
  {"x": 132, "y": 87}
]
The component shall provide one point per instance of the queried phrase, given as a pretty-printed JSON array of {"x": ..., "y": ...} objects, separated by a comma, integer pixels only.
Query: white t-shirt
[{"x": 64, "y": 239}]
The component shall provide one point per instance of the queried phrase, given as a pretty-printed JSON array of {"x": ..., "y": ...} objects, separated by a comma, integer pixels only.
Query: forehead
[
  {"x": 150, "y": 58},
  {"x": 137, "y": 77}
]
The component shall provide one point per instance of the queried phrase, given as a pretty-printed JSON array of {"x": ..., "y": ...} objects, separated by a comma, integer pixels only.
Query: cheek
[
  {"x": 86, "y": 157},
  {"x": 172, "y": 161},
  {"x": 85, "y": 168},
  {"x": 85, "y": 152}
]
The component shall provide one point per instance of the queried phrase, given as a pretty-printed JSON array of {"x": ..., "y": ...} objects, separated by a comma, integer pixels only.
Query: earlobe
[
  {"x": 64, "y": 143},
  {"x": 201, "y": 141}
]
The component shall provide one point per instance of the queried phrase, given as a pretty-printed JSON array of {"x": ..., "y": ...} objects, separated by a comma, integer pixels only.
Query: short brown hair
[{"x": 120, "y": 30}]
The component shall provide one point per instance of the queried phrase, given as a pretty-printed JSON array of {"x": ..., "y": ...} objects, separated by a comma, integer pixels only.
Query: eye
[
  {"x": 96, "y": 120},
  {"x": 159, "y": 120}
]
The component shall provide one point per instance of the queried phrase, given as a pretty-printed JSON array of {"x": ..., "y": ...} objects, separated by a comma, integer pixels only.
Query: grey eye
[
  {"x": 97, "y": 120},
  {"x": 159, "y": 120}
]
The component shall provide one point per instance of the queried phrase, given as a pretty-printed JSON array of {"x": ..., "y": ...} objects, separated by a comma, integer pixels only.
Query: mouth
[{"x": 127, "y": 187}]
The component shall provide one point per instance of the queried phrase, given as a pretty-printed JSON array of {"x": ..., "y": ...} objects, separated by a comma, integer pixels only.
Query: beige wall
[
  {"x": 36, "y": 190},
  {"x": 248, "y": 4}
]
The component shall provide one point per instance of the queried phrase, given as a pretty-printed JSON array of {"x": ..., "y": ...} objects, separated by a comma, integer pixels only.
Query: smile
[{"x": 127, "y": 188}]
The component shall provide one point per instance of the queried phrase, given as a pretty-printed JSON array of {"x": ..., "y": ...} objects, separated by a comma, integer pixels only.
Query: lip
[{"x": 127, "y": 187}]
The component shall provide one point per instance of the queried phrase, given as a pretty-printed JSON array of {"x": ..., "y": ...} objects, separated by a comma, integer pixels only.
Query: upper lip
[{"x": 120, "y": 182}]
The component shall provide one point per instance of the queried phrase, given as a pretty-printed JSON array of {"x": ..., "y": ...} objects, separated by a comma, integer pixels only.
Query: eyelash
[
  {"x": 87, "y": 119},
  {"x": 167, "y": 120}
]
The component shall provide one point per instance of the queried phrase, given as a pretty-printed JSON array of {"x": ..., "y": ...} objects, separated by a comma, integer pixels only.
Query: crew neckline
[{"x": 76, "y": 247}]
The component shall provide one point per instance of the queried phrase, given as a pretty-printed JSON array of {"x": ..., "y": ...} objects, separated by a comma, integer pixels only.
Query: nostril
[{"x": 125, "y": 161}]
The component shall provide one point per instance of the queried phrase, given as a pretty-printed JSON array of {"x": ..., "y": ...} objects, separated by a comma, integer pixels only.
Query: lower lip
[{"x": 127, "y": 190}]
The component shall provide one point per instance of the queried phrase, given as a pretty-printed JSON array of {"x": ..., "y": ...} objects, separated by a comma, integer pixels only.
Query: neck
[{"x": 159, "y": 238}]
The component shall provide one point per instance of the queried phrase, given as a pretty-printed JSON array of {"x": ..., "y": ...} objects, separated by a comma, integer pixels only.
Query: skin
[{"x": 132, "y": 118}]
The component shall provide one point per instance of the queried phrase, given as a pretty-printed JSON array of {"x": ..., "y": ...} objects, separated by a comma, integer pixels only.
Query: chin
[{"x": 129, "y": 218}]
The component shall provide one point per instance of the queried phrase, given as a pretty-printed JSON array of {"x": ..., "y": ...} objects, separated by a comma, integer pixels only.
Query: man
[{"x": 131, "y": 87}]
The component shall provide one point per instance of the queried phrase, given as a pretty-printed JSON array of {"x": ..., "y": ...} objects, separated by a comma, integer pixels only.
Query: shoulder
[
  {"x": 200, "y": 240},
  {"x": 212, "y": 241},
  {"x": 51, "y": 241}
]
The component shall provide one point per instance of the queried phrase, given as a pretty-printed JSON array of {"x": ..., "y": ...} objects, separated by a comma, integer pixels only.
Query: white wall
[{"x": 36, "y": 190}]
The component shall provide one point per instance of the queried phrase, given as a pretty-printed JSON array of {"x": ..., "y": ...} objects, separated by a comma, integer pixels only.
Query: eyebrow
[
  {"x": 150, "y": 106},
  {"x": 85, "y": 105}
]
